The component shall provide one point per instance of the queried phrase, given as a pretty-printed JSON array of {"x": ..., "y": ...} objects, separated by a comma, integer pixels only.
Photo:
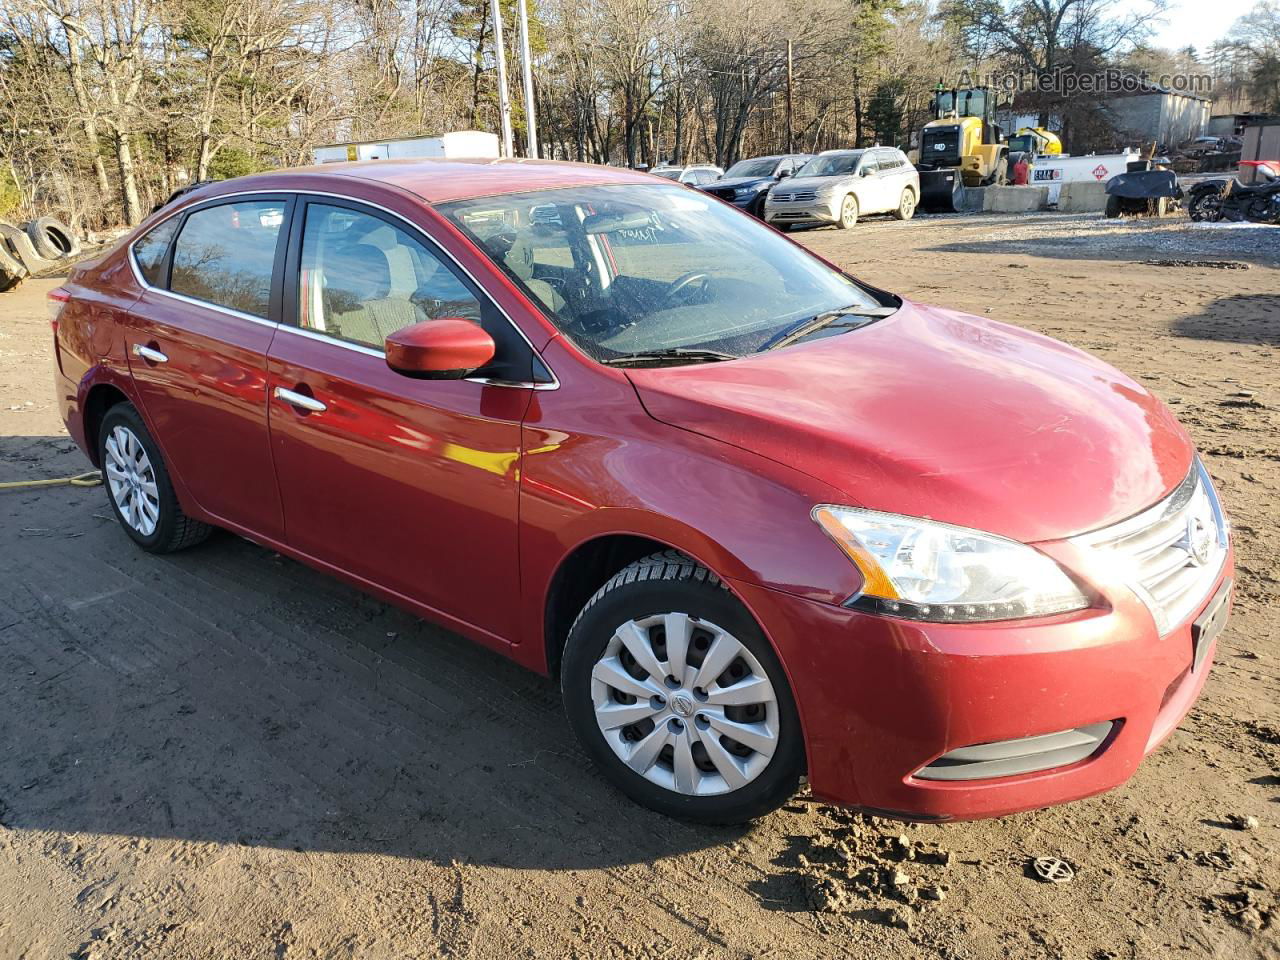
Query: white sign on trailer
[
  {"x": 1053, "y": 172},
  {"x": 459, "y": 144}
]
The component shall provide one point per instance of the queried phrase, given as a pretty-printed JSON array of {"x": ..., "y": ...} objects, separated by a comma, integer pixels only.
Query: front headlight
[
  {"x": 748, "y": 191},
  {"x": 924, "y": 570}
]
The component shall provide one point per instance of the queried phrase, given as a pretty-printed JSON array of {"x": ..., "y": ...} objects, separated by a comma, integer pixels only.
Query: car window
[
  {"x": 831, "y": 165},
  {"x": 149, "y": 250},
  {"x": 626, "y": 269},
  {"x": 225, "y": 254},
  {"x": 362, "y": 278},
  {"x": 888, "y": 162}
]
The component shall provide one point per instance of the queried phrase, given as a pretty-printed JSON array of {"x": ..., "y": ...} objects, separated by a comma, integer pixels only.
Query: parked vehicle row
[
  {"x": 835, "y": 187},
  {"x": 759, "y": 520}
]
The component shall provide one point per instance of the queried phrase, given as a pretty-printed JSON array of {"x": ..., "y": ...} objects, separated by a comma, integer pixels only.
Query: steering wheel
[{"x": 682, "y": 283}]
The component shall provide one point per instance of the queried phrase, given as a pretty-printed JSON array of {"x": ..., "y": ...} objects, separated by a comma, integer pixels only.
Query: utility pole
[
  {"x": 504, "y": 100},
  {"x": 790, "y": 126},
  {"x": 530, "y": 122}
]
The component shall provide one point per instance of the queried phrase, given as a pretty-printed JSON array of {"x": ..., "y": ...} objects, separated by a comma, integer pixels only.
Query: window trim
[
  {"x": 295, "y": 195},
  {"x": 289, "y": 282},
  {"x": 273, "y": 300}
]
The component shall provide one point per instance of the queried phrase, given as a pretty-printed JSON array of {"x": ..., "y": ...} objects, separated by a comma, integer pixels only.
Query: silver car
[{"x": 838, "y": 186}]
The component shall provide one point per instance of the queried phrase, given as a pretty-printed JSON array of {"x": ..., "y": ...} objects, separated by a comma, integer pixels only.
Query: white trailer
[
  {"x": 459, "y": 144},
  {"x": 1054, "y": 171}
]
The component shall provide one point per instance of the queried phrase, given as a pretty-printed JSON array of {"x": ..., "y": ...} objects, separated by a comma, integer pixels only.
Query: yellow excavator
[{"x": 962, "y": 146}]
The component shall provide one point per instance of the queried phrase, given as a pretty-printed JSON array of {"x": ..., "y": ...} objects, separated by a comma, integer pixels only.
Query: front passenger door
[{"x": 405, "y": 484}]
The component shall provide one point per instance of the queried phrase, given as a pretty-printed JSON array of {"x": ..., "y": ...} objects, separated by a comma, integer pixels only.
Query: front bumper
[
  {"x": 807, "y": 212},
  {"x": 880, "y": 699},
  {"x": 745, "y": 202}
]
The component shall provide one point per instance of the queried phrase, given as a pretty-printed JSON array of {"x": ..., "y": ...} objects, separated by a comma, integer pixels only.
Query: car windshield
[
  {"x": 831, "y": 165},
  {"x": 760, "y": 167},
  {"x": 644, "y": 268},
  {"x": 671, "y": 173}
]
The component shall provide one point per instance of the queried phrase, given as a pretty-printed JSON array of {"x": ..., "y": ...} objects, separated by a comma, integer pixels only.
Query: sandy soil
[{"x": 223, "y": 754}]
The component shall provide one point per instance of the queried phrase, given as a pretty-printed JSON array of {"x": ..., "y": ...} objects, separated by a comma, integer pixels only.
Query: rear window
[
  {"x": 149, "y": 251},
  {"x": 225, "y": 255}
]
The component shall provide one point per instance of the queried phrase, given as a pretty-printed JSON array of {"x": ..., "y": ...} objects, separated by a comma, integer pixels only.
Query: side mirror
[
  {"x": 446, "y": 349},
  {"x": 865, "y": 172},
  {"x": 783, "y": 174}
]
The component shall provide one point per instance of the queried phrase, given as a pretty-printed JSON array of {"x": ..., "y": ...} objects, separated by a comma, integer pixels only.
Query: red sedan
[{"x": 760, "y": 520}]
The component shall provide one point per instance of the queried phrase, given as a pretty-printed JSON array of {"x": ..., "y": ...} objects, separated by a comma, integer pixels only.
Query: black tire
[
  {"x": 12, "y": 272},
  {"x": 663, "y": 583},
  {"x": 1113, "y": 207},
  {"x": 52, "y": 238},
  {"x": 1205, "y": 206},
  {"x": 174, "y": 530},
  {"x": 20, "y": 246}
]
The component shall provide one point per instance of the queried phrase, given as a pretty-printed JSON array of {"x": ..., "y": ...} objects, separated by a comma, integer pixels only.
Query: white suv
[
  {"x": 839, "y": 186},
  {"x": 695, "y": 174}
]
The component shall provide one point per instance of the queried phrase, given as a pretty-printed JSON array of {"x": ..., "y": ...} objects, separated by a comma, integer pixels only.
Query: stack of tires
[{"x": 33, "y": 247}]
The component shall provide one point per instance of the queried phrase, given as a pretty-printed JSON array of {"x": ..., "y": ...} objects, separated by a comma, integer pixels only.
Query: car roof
[{"x": 441, "y": 180}]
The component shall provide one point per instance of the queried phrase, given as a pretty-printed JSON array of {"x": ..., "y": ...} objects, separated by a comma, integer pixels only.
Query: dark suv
[{"x": 747, "y": 182}]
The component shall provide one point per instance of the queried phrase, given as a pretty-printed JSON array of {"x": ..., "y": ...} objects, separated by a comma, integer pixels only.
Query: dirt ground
[{"x": 221, "y": 753}]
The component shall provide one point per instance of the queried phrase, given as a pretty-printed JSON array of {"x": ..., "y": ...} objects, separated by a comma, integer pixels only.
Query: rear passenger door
[
  {"x": 197, "y": 343},
  {"x": 891, "y": 178},
  {"x": 407, "y": 484}
]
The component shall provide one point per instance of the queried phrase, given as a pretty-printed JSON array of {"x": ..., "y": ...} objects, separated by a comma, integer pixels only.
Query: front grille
[
  {"x": 1172, "y": 553},
  {"x": 724, "y": 193},
  {"x": 794, "y": 196},
  {"x": 1006, "y": 758}
]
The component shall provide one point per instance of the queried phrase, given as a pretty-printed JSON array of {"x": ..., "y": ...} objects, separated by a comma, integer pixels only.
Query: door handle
[
  {"x": 147, "y": 353},
  {"x": 300, "y": 400}
]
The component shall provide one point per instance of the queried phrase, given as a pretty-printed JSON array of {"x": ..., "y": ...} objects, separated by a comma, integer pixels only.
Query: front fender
[{"x": 742, "y": 516}]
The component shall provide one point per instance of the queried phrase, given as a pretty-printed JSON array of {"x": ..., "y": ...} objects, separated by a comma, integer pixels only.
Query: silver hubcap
[
  {"x": 684, "y": 704},
  {"x": 849, "y": 212},
  {"x": 132, "y": 480},
  {"x": 908, "y": 204}
]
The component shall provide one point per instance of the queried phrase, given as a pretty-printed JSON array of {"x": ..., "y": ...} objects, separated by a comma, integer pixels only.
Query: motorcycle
[{"x": 1221, "y": 199}]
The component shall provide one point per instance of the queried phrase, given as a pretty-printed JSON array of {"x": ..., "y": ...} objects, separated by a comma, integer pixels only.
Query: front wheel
[
  {"x": 848, "y": 212},
  {"x": 138, "y": 485},
  {"x": 677, "y": 696}
]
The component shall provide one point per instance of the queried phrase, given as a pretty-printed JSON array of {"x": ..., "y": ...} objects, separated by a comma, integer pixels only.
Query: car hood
[
  {"x": 811, "y": 183},
  {"x": 934, "y": 413},
  {"x": 738, "y": 182}
]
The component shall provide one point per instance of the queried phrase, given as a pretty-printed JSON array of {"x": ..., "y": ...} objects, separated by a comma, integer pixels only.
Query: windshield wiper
[
  {"x": 803, "y": 328},
  {"x": 691, "y": 354}
]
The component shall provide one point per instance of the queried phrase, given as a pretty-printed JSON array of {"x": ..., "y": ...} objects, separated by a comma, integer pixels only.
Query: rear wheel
[
  {"x": 1113, "y": 207},
  {"x": 138, "y": 486},
  {"x": 848, "y": 212},
  {"x": 675, "y": 693},
  {"x": 1205, "y": 207},
  {"x": 906, "y": 206}
]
